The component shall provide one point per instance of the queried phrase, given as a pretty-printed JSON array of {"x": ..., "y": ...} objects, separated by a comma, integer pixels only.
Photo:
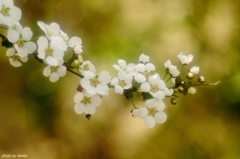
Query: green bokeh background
[{"x": 37, "y": 116}]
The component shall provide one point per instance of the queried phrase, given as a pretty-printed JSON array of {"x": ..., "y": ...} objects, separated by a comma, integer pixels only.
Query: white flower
[
  {"x": 184, "y": 60},
  {"x": 74, "y": 42},
  {"x": 152, "y": 113},
  {"x": 123, "y": 81},
  {"x": 86, "y": 103},
  {"x": 49, "y": 52},
  {"x": 14, "y": 58},
  {"x": 143, "y": 71},
  {"x": 16, "y": 26},
  {"x": 9, "y": 13},
  {"x": 194, "y": 70},
  {"x": 20, "y": 39},
  {"x": 52, "y": 32},
  {"x": 171, "y": 68},
  {"x": 123, "y": 66},
  {"x": 154, "y": 85},
  {"x": 55, "y": 72},
  {"x": 87, "y": 66},
  {"x": 96, "y": 84},
  {"x": 144, "y": 58}
]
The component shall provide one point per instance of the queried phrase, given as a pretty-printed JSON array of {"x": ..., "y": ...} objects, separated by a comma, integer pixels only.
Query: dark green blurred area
[{"x": 37, "y": 117}]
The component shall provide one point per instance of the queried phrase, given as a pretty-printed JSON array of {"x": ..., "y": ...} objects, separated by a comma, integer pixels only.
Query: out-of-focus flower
[
  {"x": 21, "y": 40},
  {"x": 9, "y": 13},
  {"x": 86, "y": 103},
  {"x": 171, "y": 69},
  {"x": 153, "y": 112},
  {"x": 121, "y": 82},
  {"x": 49, "y": 52},
  {"x": 55, "y": 72},
  {"x": 14, "y": 58},
  {"x": 192, "y": 90},
  {"x": 144, "y": 58},
  {"x": 52, "y": 32},
  {"x": 184, "y": 60},
  {"x": 96, "y": 83},
  {"x": 123, "y": 66},
  {"x": 194, "y": 70}
]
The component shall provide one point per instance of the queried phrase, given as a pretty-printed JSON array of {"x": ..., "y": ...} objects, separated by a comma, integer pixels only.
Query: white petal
[
  {"x": 122, "y": 63},
  {"x": 15, "y": 63},
  {"x": 10, "y": 52},
  {"x": 42, "y": 25},
  {"x": 54, "y": 77},
  {"x": 24, "y": 59},
  {"x": 149, "y": 121},
  {"x": 78, "y": 97},
  {"x": 160, "y": 117},
  {"x": 85, "y": 83},
  {"x": 91, "y": 90},
  {"x": 151, "y": 103},
  {"x": 47, "y": 71},
  {"x": 143, "y": 58},
  {"x": 150, "y": 67},
  {"x": 104, "y": 77},
  {"x": 96, "y": 100},
  {"x": 27, "y": 33},
  {"x": 142, "y": 112},
  {"x": 140, "y": 67},
  {"x": 13, "y": 36},
  {"x": 89, "y": 109},
  {"x": 118, "y": 68},
  {"x": 121, "y": 75},
  {"x": 42, "y": 42},
  {"x": 140, "y": 78},
  {"x": 30, "y": 46},
  {"x": 118, "y": 89},
  {"x": 78, "y": 108},
  {"x": 145, "y": 87},
  {"x": 52, "y": 61},
  {"x": 75, "y": 41},
  {"x": 135, "y": 113},
  {"x": 15, "y": 13},
  {"x": 114, "y": 81},
  {"x": 61, "y": 71},
  {"x": 102, "y": 89}
]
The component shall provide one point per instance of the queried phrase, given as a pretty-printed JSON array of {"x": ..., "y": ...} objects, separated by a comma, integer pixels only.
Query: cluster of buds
[{"x": 132, "y": 80}]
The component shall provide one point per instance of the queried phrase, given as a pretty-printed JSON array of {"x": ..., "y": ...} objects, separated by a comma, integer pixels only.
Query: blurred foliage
[{"x": 37, "y": 116}]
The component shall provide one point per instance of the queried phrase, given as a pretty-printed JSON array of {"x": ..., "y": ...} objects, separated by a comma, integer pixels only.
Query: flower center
[
  {"x": 145, "y": 73},
  {"x": 121, "y": 83},
  {"x": 154, "y": 88},
  {"x": 48, "y": 51},
  {"x": 94, "y": 82},
  {"x": 86, "y": 100},
  {"x": 85, "y": 68},
  {"x": 20, "y": 42},
  {"x": 152, "y": 111},
  {"x": 53, "y": 68},
  {"x": 15, "y": 57},
  {"x": 5, "y": 11}
]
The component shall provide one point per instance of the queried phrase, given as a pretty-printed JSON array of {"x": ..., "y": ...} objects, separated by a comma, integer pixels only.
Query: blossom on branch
[
  {"x": 21, "y": 40},
  {"x": 14, "y": 58},
  {"x": 9, "y": 13}
]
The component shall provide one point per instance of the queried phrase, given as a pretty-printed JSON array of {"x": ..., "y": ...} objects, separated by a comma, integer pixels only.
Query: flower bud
[
  {"x": 190, "y": 75},
  {"x": 201, "y": 79},
  {"x": 180, "y": 89},
  {"x": 173, "y": 101}
]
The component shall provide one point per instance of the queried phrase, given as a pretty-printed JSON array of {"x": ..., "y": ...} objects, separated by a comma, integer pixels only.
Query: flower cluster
[
  {"x": 132, "y": 80},
  {"x": 52, "y": 47}
]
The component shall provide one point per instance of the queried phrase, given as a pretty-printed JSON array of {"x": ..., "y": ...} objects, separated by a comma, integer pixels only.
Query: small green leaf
[{"x": 146, "y": 96}]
